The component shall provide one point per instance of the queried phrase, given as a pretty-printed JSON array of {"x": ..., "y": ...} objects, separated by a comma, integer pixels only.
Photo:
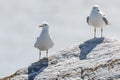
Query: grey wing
[
  {"x": 105, "y": 20},
  {"x": 88, "y": 19}
]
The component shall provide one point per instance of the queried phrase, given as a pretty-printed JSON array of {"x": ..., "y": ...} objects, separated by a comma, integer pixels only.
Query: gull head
[
  {"x": 96, "y": 8},
  {"x": 44, "y": 26}
]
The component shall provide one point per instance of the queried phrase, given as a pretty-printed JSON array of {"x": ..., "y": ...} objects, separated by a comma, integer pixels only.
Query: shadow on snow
[
  {"x": 88, "y": 46},
  {"x": 37, "y": 68}
]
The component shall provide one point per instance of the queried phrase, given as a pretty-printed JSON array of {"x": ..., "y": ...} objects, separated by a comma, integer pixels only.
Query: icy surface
[{"x": 94, "y": 59}]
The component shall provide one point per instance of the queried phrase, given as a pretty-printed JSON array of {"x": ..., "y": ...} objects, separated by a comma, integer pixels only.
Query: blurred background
[{"x": 19, "y": 21}]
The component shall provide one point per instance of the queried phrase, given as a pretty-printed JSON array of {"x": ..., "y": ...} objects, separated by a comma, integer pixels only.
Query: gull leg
[
  {"x": 47, "y": 53},
  {"x": 39, "y": 54},
  {"x": 101, "y": 32},
  {"x": 94, "y": 32}
]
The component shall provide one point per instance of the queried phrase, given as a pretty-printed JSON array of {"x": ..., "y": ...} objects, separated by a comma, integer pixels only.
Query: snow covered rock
[{"x": 95, "y": 59}]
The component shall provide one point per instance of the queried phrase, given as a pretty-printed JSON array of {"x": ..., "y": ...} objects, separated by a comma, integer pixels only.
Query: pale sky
[{"x": 19, "y": 21}]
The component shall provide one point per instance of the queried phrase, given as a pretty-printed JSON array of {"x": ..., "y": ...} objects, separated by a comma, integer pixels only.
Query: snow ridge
[{"x": 95, "y": 59}]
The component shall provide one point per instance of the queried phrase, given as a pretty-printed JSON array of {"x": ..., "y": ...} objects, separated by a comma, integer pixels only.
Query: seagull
[
  {"x": 44, "y": 42},
  {"x": 97, "y": 19}
]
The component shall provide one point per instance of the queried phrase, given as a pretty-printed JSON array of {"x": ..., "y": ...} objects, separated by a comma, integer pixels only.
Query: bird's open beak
[{"x": 40, "y": 26}]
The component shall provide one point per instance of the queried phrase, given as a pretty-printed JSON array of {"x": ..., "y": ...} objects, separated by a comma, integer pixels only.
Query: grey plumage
[
  {"x": 88, "y": 20},
  {"x": 105, "y": 20}
]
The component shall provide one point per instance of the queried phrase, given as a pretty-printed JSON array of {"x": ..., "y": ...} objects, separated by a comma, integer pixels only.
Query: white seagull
[
  {"x": 97, "y": 19},
  {"x": 44, "y": 41}
]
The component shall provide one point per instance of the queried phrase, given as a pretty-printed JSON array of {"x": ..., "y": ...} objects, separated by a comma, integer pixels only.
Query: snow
[{"x": 94, "y": 59}]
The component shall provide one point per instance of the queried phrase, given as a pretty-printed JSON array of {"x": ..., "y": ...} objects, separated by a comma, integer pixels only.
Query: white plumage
[
  {"x": 97, "y": 19},
  {"x": 44, "y": 42}
]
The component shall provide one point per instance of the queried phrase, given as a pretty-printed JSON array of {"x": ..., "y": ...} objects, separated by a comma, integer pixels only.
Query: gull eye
[
  {"x": 45, "y": 24},
  {"x": 98, "y": 10}
]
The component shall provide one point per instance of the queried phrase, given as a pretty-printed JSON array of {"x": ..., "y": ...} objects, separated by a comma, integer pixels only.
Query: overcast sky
[{"x": 19, "y": 21}]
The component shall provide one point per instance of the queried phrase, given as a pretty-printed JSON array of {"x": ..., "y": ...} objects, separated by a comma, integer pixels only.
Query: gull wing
[
  {"x": 88, "y": 20},
  {"x": 105, "y": 20}
]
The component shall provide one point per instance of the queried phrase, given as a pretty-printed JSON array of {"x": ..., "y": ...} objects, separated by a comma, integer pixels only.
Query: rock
[{"x": 95, "y": 59}]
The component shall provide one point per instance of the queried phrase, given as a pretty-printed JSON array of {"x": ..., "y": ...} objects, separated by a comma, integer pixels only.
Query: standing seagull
[
  {"x": 97, "y": 19},
  {"x": 44, "y": 41}
]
